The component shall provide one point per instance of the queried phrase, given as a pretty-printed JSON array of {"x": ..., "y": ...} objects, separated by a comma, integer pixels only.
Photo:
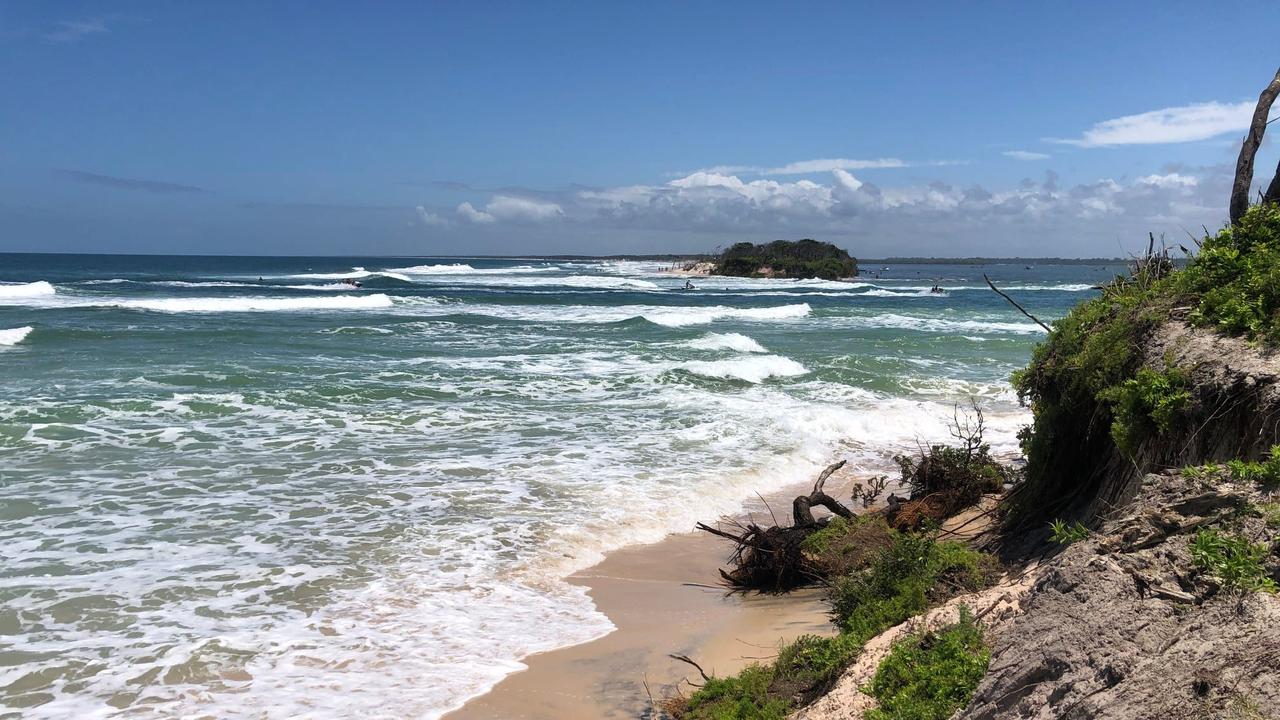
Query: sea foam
[
  {"x": 752, "y": 369},
  {"x": 679, "y": 317},
  {"x": 36, "y": 289},
  {"x": 727, "y": 341},
  {"x": 255, "y": 304},
  {"x": 13, "y": 336}
]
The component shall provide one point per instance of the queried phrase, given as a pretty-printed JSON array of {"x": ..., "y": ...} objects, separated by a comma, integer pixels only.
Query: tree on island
[{"x": 787, "y": 259}]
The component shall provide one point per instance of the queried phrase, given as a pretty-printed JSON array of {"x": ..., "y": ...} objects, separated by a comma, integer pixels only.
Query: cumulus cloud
[
  {"x": 1186, "y": 123},
  {"x": 468, "y": 212},
  {"x": 1025, "y": 155},
  {"x": 1042, "y": 216},
  {"x": 428, "y": 218},
  {"x": 509, "y": 208}
]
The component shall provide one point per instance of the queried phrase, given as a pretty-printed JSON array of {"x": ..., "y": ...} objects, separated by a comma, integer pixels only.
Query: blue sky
[{"x": 514, "y": 128}]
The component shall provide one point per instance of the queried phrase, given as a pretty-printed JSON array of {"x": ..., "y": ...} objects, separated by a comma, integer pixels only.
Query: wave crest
[
  {"x": 727, "y": 341},
  {"x": 751, "y": 369},
  {"x": 13, "y": 336},
  {"x": 39, "y": 288}
]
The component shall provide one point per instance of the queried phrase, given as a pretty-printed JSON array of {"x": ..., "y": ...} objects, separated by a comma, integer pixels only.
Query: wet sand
[{"x": 658, "y": 598}]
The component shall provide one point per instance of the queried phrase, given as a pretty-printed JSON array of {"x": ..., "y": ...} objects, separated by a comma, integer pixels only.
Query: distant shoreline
[{"x": 655, "y": 257}]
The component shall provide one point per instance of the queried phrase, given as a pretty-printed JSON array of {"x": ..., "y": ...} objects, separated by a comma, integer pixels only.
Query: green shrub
[
  {"x": 1236, "y": 277},
  {"x": 846, "y": 545},
  {"x": 1233, "y": 560},
  {"x": 744, "y": 696},
  {"x": 1065, "y": 534},
  {"x": 902, "y": 580},
  {"x": 814, "y": 662},
  {"x": 932, "y": 675},
  {"x": 1088, "y": 375},
  {"x": 899, "y": 582},
  {"x": 1146, "y": 403}
]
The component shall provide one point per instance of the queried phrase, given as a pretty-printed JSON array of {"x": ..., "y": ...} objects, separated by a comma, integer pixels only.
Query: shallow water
[{"x": 238, "y": 486}]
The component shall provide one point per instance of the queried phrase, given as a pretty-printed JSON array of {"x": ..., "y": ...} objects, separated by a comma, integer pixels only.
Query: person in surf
[{"x": 688, "y": 284}]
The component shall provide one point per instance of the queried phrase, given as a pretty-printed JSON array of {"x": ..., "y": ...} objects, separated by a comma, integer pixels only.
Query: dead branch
[
  {"x": 802, "y": 506},
  {"x": 687, "y": 659},
  {"x": 1014, "y": 303},
  {"x": 1249, "y": 149}
]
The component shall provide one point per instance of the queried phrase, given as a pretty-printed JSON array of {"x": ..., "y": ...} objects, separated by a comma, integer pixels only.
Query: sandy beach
[{"x": 663, "y": 599}]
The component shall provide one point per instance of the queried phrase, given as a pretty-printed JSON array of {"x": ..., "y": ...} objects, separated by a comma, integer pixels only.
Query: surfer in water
[{"x": 688, "y": 285}]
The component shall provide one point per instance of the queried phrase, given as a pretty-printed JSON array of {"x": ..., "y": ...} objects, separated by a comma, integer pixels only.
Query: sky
[{"x": 419, "y": 128}]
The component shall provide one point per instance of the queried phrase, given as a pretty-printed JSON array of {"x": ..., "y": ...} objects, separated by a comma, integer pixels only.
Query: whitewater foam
[
  {"x": 255, "y": 304},
  {"x": 355, "y": 273},
  {"x": 679, "y": 317},
  {"x": 727, "y": 341},
  {"x": 20, "y": 291},
  {"x": 943, "y": 325},
  {"x": 13, "y": 336},
  {"x": 752, "y": 369}
]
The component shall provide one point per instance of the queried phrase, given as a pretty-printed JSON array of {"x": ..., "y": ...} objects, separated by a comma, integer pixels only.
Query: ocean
[{"x": 240, "y": 487}]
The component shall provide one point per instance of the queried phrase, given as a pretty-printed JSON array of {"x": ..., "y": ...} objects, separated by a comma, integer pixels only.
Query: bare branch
[
  {"x": 1249, "y": 149},
  {"x": 686, "y": 659},
  {"x": 1014, "y": 303}
]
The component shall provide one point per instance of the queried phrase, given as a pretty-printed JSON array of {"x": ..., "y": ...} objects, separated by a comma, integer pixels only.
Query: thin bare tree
[{"x": 1249, "y": 149}]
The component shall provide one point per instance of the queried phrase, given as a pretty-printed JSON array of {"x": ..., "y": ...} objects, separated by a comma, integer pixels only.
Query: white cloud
[
  {"x": 719, "y": 202},
  {"x": 429, "y": 218},
  {"x": 1025, "y": 155},
  {"x": 471, "y": 214},
  {"x": 1034, "y": 217},
  {"x": 507, "y": 208},
  {"x": 1187, "y": 123},
  {"x": 1171, "y": 180}
]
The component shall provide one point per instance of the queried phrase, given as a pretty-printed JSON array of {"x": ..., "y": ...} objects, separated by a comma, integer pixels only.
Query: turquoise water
[{"x": 241, "y": 487}]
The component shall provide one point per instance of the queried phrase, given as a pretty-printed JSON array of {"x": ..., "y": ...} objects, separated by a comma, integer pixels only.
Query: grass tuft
[{"x": 1233, "y": 560}]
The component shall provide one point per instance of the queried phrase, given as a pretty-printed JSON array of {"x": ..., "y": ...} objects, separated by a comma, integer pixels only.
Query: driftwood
[
  {"x": 1249, "y": 149},
  {"x": 802, "y": 506},
  {"x": 770, "y": 559}
]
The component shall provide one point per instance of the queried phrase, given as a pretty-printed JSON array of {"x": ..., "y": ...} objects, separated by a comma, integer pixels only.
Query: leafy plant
[
  {"x": 1208, "y": 471},
  {"x": 1270, "y": 514},
  {"x": 930, "y": 676},
  {"x": 956, "y": 475},
  {"x": 1266, "y": 472},
  {"x": 1233, "y": 560},
  {"x": 1147, "y": 402},
  {"x": 1065, "y": 534}
]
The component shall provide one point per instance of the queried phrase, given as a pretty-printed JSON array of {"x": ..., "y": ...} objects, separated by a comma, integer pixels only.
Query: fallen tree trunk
[
  {"x": 771, "y": 559},
  {"x": 802, "y": 506}
]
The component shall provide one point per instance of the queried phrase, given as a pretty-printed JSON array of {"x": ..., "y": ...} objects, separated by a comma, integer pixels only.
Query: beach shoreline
[{"x": 663, "y": 599}]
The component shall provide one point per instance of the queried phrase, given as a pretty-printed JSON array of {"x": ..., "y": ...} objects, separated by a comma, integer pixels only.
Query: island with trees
[{"x": 794, "y": 259}]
